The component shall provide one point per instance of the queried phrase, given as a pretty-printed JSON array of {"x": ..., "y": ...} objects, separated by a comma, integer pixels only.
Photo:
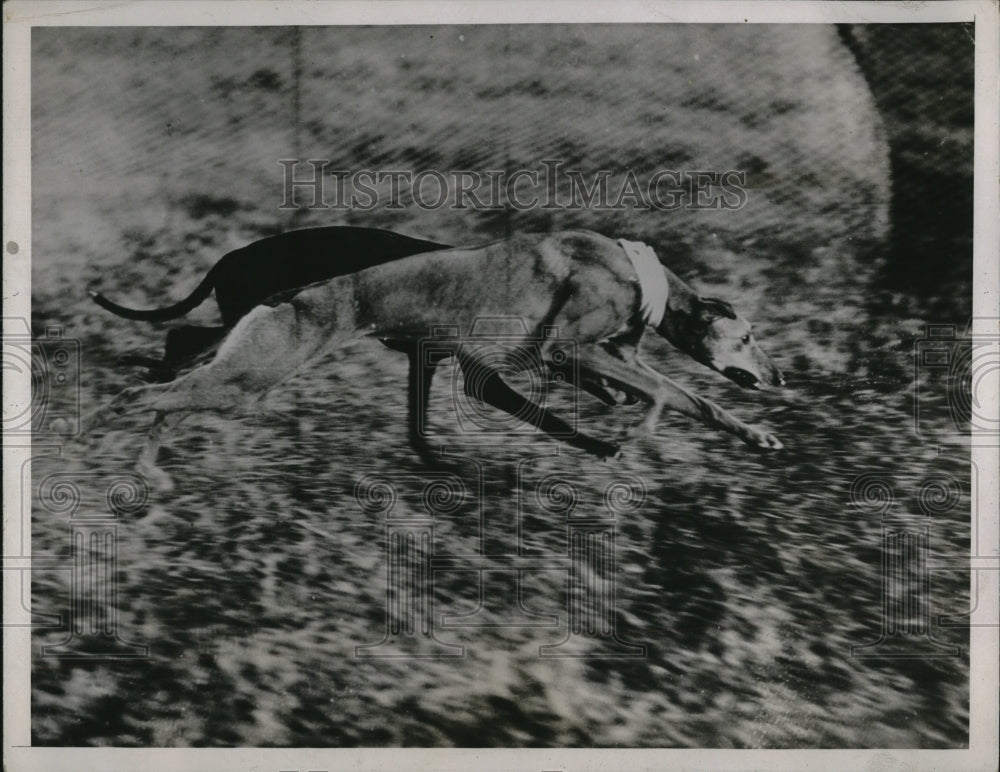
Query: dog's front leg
[
  {"x": 118, "y": 406},
  {"x": 710, "y": 413},
  {"x": 660, "y": 392},
  {"x": 491, "y": 388},
  {"x": 421, "y": 374}
]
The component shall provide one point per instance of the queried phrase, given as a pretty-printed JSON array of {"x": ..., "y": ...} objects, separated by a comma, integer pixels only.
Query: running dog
[
  {"x": 246, "y": 277},
  {"x": 599, "y": 293}
]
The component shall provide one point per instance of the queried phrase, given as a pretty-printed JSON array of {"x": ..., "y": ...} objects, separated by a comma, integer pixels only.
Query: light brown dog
[{"x": 577, "y": 282}]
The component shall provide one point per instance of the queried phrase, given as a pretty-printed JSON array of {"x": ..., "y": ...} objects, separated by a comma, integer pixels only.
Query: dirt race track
[{"x": 747, "y": 577}]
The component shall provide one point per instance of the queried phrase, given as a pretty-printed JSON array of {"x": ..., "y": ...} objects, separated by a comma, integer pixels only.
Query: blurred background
[{"x": 748, "y": 578}]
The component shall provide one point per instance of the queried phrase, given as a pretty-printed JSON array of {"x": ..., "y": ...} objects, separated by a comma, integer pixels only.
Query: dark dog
[
  {"x": 598, "y": 293},
  {"x": 271, "y": 267}
]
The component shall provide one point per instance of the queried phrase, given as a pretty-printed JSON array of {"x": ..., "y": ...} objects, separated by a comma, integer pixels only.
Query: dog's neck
[{"x": 680, "y": 308}]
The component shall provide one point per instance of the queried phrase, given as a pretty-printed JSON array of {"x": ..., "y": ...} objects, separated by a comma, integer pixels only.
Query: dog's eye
[{"x": 745, "y": 339}]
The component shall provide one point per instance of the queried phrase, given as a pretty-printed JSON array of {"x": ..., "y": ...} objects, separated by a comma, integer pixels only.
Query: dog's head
[{"x": 718, "y": 337}]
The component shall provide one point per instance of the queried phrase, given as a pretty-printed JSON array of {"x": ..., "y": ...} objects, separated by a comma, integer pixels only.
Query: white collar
[{"x": 653, "y": 287}]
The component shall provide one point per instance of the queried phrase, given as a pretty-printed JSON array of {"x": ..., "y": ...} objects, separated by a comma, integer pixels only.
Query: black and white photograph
[{"x": 435, "y": 385}]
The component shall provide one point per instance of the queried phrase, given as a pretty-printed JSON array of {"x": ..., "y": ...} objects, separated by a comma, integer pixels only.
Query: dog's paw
[{"x": 766, "y": 441}]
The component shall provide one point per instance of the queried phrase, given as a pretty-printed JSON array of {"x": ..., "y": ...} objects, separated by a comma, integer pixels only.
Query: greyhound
[
  {"x": 588, "y": 287},
  {"x": 271, "y": 266}
]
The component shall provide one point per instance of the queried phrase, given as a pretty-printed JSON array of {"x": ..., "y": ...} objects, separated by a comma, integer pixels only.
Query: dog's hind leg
[
  {"x": 266, "y": 347},
  {"x": 187, "y": 342},
  {"x": 124, "y": 400},
  {"x": 184, "y": 345},
  {"x": 160, "y": 371},
  {"x": 146, "y": 464}
]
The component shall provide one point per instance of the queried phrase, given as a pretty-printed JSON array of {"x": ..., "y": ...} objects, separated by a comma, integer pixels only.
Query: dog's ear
[{"x": 710, "y": 309}]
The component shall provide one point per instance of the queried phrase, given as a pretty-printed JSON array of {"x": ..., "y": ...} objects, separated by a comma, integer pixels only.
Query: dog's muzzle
[
  {"x": 742, "y": 378},
  {"x": 747, "y": 380}
]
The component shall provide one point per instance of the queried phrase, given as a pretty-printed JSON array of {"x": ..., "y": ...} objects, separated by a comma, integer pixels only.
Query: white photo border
[{"x": 21, "y": 17}]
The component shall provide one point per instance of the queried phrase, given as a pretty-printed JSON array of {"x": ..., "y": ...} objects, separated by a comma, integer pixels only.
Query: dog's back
[
  {"x": 247, "y": 276},
  {"x": 533, "y": 277}
]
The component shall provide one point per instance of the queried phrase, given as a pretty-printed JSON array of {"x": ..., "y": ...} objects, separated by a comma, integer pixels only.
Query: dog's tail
[{"x": 193, "y": 300}]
